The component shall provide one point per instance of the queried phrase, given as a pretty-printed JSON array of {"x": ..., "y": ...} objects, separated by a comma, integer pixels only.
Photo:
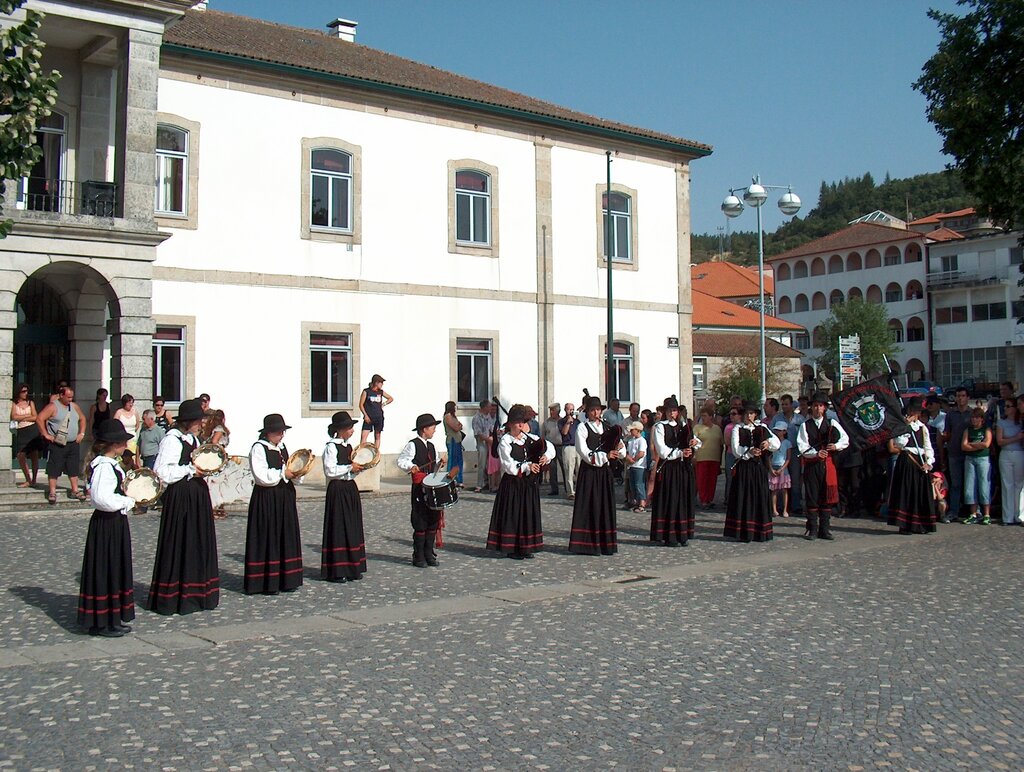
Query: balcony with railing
[
  {"x": 94, "y": 198},
  {"x": 945, "y": 280}
]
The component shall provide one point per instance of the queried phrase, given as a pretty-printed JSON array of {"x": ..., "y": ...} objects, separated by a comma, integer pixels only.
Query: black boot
[
  {"x": 429, "y": 555},
  {"x": 417, "y": 551},
  {"x": 824, "y": 521},
  {"x": 811, "y": 530}
]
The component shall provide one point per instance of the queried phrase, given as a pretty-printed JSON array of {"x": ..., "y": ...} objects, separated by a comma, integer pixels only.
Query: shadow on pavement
[{"x": 62, "y": 609}]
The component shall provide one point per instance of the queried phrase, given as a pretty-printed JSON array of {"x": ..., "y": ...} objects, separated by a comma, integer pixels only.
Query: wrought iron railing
[{"x": 92, "y": 197}]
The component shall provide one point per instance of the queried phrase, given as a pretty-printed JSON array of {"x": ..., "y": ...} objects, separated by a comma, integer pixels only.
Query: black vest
[
  {"x": 344, "y": 454},
  {"x": 819, "y": 438},
  {"x": 186, "y": 452},
  {"x": 275, "y": 458},
  {"x": 425, "y": 455},
  {"x": 518, "y": 452},
  {"x": 594, "y": 439}
]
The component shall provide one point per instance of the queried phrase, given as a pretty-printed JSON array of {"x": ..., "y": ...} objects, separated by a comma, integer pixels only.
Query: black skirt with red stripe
[
  {"x": 515, "y": 517},
  {"x": 748, "y": 514},
  {"x": 593, "y": 513},
  {"x": 273, "y": 549},
  {"x": 106, "y": 595},
  {"x": 343, "y": 550},
  {"x": 911, "y": 503},
  {"x": 673, "y": 503},
  {"x": 185, "y": 572}
]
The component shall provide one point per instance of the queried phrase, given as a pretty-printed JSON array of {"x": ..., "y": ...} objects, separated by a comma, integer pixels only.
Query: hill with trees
[{"x": 838, "y": 204}]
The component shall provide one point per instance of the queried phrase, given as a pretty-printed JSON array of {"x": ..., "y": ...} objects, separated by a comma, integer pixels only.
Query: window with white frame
[
  {"x": 620, "y": 211},
  {"x": 472, "y": 207},
  {"x": 169, "y": 362},
  {"x": 330, "y": 190},
  {"x": 330, "y": 368},
  {"x": 700, "y": 367},
  {"x": 622, "y": 371},
  {"x": 474, "y": 368},
  {"x": 171, "y": 170}
]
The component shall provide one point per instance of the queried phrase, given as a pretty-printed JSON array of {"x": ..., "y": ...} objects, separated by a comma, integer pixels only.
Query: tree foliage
[
  {"x": 974, "y": 85},
  {"x": 742, "y": 376},
  {"x": 857, "y": 317},
  {"x": 838, "y": 204},
  {"x": 27, "y": 94}
]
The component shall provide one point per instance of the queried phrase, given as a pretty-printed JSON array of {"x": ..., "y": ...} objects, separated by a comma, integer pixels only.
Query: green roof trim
[{"x": 438, "y": 98}]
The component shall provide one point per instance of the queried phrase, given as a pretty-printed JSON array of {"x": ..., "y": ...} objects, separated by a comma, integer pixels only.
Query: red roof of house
[
  {"x": 860, "y": 234},
  {"x": 728, "y": 280},
  {"x": 958, "y": 213},
  {"x": 935, "y": 219},
  {"x": 943, "y": 234},
  {"x": 738, "y": 344},
  {"x": 709, "y": 311},
  {"x": 266, "y": 44}
]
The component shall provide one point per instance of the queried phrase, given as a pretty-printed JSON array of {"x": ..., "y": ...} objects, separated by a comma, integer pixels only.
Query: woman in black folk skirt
[
  {"x": 106, "y": 597},
  {"x": 675, "y": 490},
  {"x": 185, "y": 571},
  {"x": 273, "y": 549},
  {"x": 594, "y": 530},
  {"x": 516, "y": 528},
  {"x": 748, "y": 514},
  {"x": 343, "y": 549},
  {"x": 911, "y": 501}
]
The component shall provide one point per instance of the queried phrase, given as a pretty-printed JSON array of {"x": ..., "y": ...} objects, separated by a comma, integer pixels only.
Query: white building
[
  {"x": 272, "y": 214},
  {"x": 976, "y": 303}
]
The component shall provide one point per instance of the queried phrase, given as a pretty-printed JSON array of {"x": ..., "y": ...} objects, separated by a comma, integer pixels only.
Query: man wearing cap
[
  {"x": 419, "y": 458},
  {"x": 817, "y": 442},
  {"x": 553, "y": 434}
]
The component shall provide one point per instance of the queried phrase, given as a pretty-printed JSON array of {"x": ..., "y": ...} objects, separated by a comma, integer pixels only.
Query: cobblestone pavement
[{"x": 875, "y": 650}]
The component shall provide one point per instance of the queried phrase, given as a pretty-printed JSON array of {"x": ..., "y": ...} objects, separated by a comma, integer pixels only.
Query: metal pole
[
  {"x": 610, "y": 374},
  {"x": 760, "y": 284}
]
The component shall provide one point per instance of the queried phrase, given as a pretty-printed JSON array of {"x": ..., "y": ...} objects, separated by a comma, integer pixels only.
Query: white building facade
[{"x": 291, "y": 213}]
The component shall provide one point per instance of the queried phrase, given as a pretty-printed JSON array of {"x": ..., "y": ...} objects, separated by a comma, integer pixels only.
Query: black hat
[
  {"x": 112, "y": 430},
  {"x": 820, "y": 396},
  {"x": 749, "y": 406},
  {"x": 274, "y": 423},
  {"x": 591, "y": 402},
  {"x": 190, "y": 410},
  {"x": 517, "y": 414},
  {"x": 915, "y": 405},
  {"x": 341, "y": 420},
  {"x": 425, "y": 420},
  {"x": 670, "y": 403}
]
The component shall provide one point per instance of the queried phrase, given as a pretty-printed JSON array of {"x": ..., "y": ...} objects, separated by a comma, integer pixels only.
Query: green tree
[
  {"x": 973, "y": 85},
  {"x": 742, "y": 376},
  {"x": 27, "y": 94},
  {"x": 856, "y": 317}
]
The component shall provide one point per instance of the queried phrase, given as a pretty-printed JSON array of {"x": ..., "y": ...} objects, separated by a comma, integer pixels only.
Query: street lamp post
[{"x": 755, "y": 194}]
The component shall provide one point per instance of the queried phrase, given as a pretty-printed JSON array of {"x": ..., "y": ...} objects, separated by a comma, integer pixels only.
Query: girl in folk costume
[
  {"x": 593, "y": 512},
  {"x": 419, "y": 458},
  {"x": 106, "y": 597},
  {"x": 515, "y": 517},
  {"x": 273, "y": 549},
  {"x": 818, "y": 441},
  {"x": 343, "y": 550},
  {"x": 185, "y": 577},
  {"x": 676, "y": 487},
  {"x": 911, "y": 499},
  {"x": 748, "y": 512}
]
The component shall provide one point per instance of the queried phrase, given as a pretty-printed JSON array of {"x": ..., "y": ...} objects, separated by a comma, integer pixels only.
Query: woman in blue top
[
  {"x": 1009, "y": 435},
  {"x": 372, "y": 402}
]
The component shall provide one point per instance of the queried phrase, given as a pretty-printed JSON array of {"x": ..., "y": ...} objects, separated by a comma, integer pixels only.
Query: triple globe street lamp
[{"x": 755, "y": 194}]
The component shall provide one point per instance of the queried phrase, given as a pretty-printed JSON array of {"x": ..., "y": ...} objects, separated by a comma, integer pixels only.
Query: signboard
[
  {"x": 673, "y": 342},
  {"x": 849, "y": 360}
]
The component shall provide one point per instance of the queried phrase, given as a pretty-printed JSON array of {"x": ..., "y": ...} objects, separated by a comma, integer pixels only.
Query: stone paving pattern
[{"x": 876, "y": 650}]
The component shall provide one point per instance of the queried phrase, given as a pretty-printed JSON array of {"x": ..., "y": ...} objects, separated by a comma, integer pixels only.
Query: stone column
[
  {"x": 131, "y": 345},
  {"x": 685, "y": 298},
  {"x": 138, "y": 76},
  {"x": 545, "y": 306},
  {"x": 10, "y": 283}
]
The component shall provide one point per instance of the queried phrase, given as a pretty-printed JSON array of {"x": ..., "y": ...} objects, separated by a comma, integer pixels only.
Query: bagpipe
[
  {"x": 611, "y": 436},
  {"x": 535, "y": 448}
]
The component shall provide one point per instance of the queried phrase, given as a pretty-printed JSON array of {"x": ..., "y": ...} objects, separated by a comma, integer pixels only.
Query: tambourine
[
  {"x": 209, "y": 458},
  {"x": 143, "y": 485},
  {"x": 366, "y": 455},
  {"x": 300, "y": 462}
]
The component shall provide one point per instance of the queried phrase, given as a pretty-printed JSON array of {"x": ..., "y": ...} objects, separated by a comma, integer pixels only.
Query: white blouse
[
  {"x": 166, "y": 465},
  {"x": 261, "y": 473},
  {"x": 332, "y": 469},
  {"x": 596, "y": 458},
  {"x": 908, "y": 443},
  {"x": 104, "y": 490},
  {"x": 508, "y": 464},
  {"x": 744, "y": 453}
]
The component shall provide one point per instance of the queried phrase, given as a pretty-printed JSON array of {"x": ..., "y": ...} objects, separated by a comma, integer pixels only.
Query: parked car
[
  {"x": 927, "y": 386},
  {"x": 976, "y": 389}
]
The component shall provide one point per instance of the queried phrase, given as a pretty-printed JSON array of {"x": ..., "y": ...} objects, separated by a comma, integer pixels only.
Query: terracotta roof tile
[
  {"x": 709, "y": 311},
  {"x": 728, "y": 280},
  {"x": 860, "y": 234},
  {"x": 958, "y": 213},
  {"x": 935, "y": 219},
  {"x": 943, "y": 234},
  {"x": 735, "y": 344},
  {"x": 319, "y": 53}
]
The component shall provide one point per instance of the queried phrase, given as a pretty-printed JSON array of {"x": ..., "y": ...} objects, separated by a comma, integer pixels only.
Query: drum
[
  {"x": 439, "y": 491},
  {"x": 143, "y": 485},
  {"x": 300, "y": 462},
  {"x": 209, "y": 458},
  {"x": 366, "y": 455}
]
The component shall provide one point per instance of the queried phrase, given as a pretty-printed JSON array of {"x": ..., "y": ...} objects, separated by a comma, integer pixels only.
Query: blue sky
[{"x": 799, "y": 92}]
